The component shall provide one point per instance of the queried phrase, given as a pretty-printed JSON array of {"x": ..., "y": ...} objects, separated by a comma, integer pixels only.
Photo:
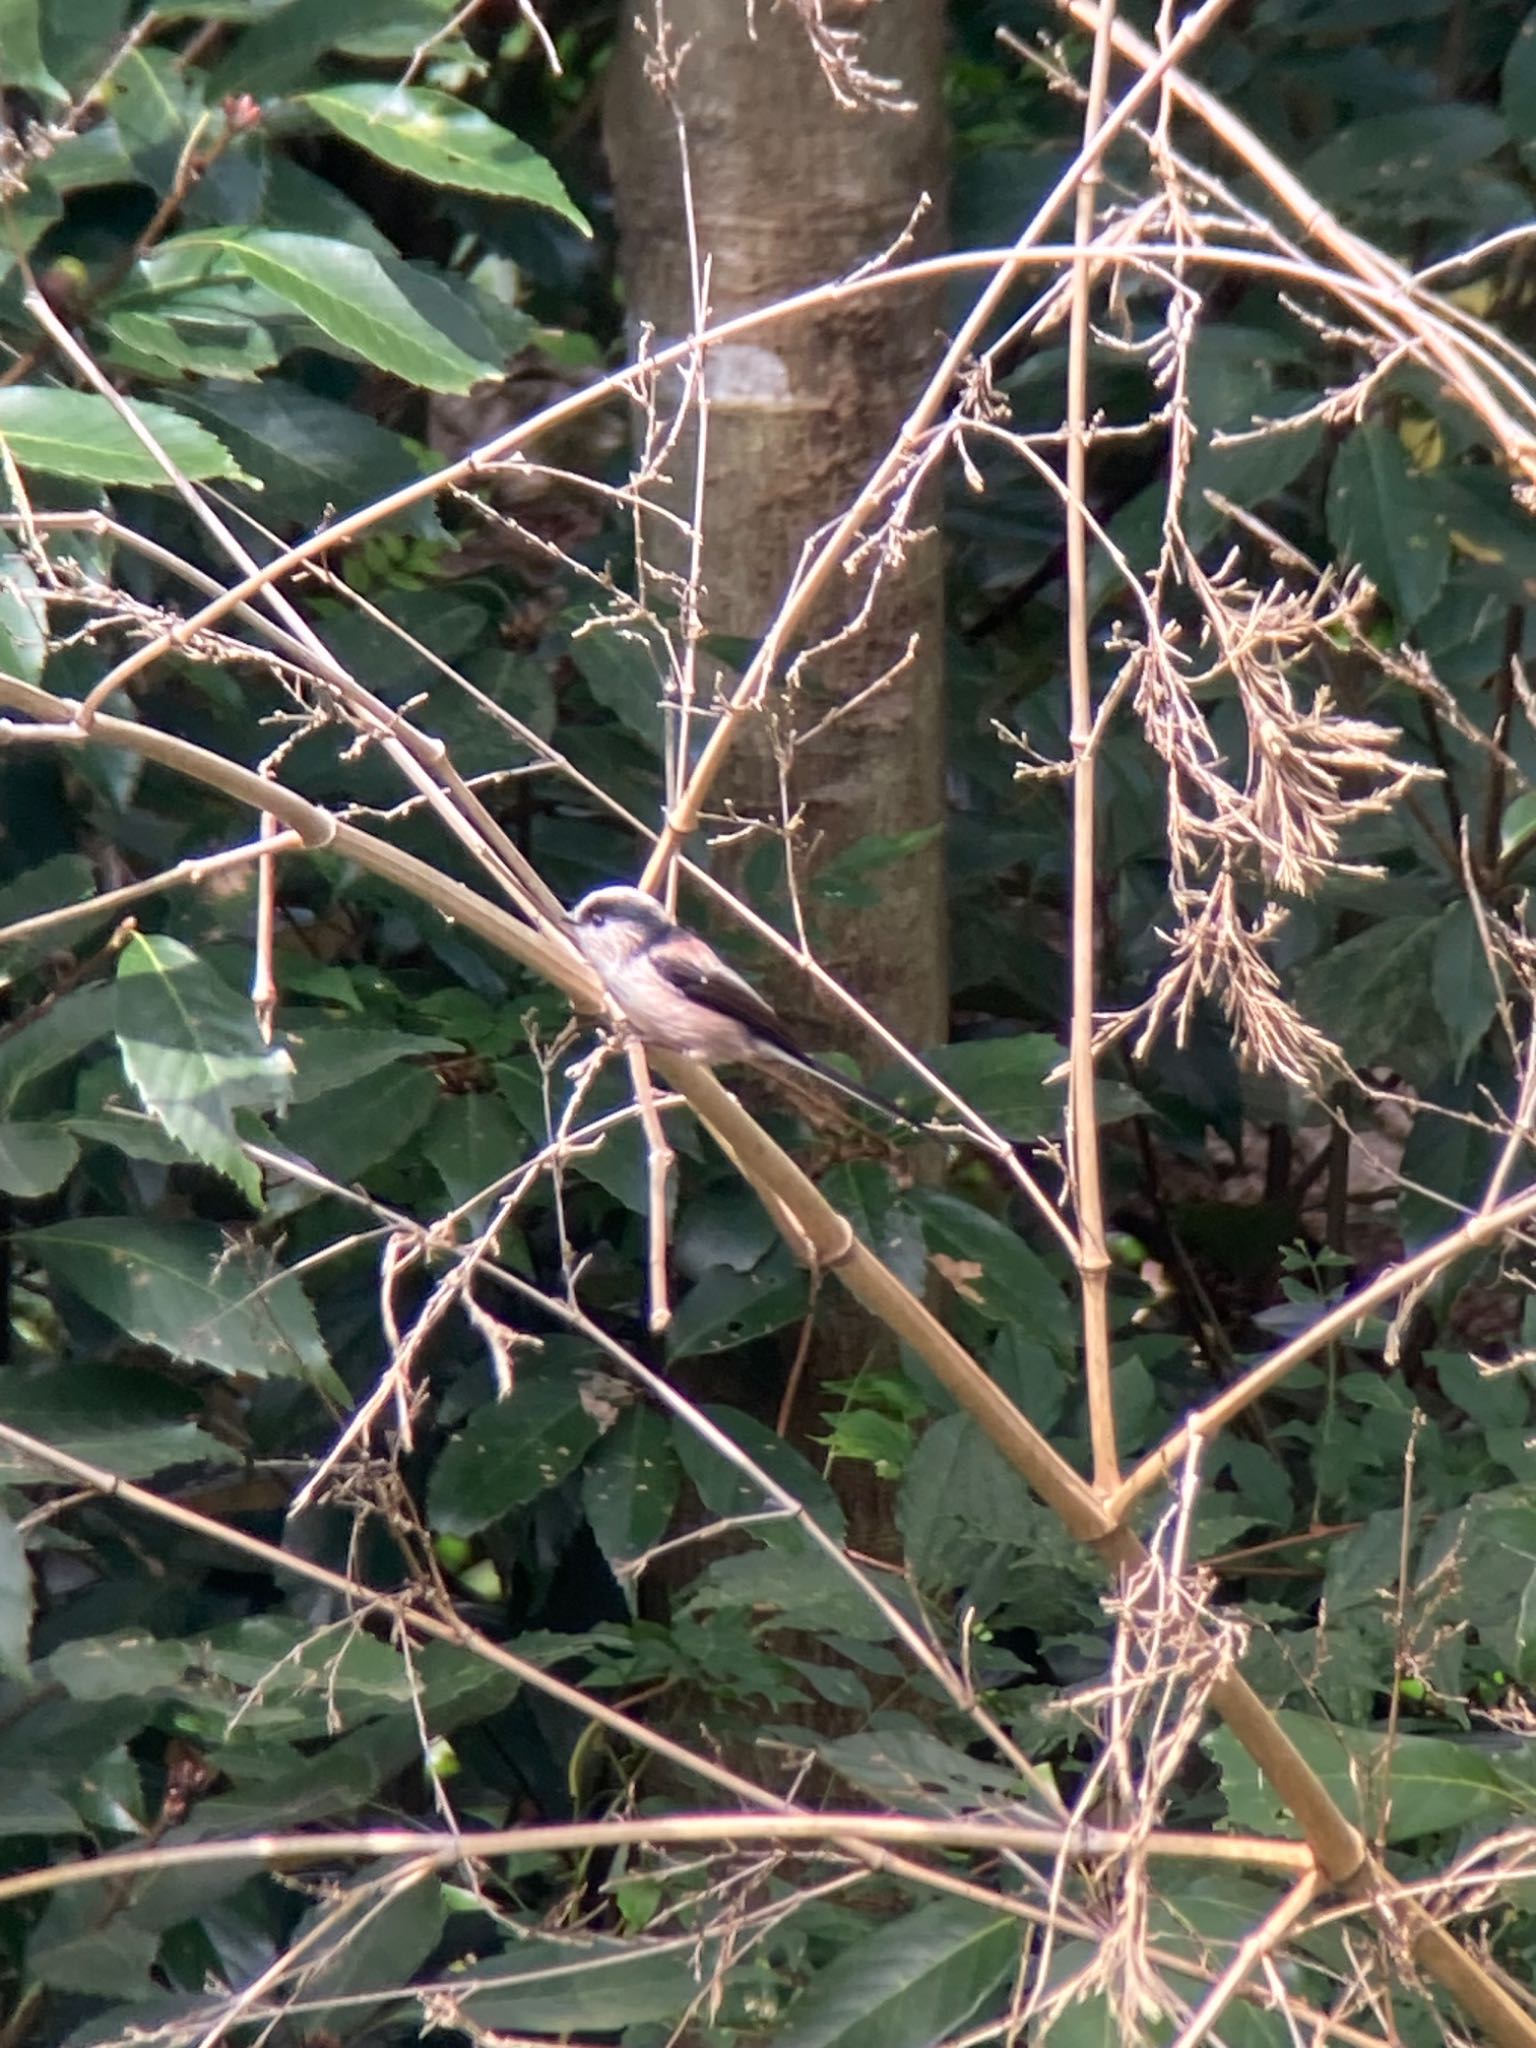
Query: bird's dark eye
[{"x": 597, "y": 916}]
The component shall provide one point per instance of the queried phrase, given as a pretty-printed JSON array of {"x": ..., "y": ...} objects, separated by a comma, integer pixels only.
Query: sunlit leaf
[
  {"x": 443, "y": 140},
  {"x": 191, "y": 1049},
  {"x": 400, "y": 319},
  {"x": 182, "y": 1287},
  {"x": 79, "y": 434}
]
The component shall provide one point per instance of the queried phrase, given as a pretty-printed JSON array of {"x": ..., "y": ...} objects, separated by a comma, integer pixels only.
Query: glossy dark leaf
[
  {"x": 511, "y": 1451},
  {"x": 912, "y": 1982},
  {"x": 192, "y": 1051},
  {"x": 182, "y": 1287},
  {"x": 1382, "y": 517},
  {"x": 15, "y": 1600},
  {"x": 629, "y": 1487}
]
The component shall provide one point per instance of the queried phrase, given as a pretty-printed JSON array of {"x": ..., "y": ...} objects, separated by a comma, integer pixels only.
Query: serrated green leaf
[
  {"x": 727, "y": 1491},
  {"x": 199, "y": 332},
  {"x": 990, "y": 1266},
  {"x": 915, "y": 1981},
  {"x": 75, "y": 1949},
  {"x": 191, "y": 1050},
  {"x": 15, "y": 1600},
  {"x": 472, "y": 1140},
  {"x": 78, "y": 434},
  {"x": 66, "y": 879},
  {"x": 1381, "y": 517},
  {"x": 509, "y": 1453},
  {"x": 35, "y": 1158},
  {"x": 1003, "y": 1079},
  {"x": 182, "y": 1287},
  {"x": 629, "y": 1488},
  {"x": 23, "y": 619},
  {"x": 399, "y": 319},
  {"x": 436, "y": 137},
  {"x": 132, "y": 1423},
  {"x": 368, "y": 1946},
  {"x": 315, "y": 458},
  {"x": 64, "y": 1029},
  {"x": 1466, "y": 994},
  {"x": 1374, "y": 993},
  {"x": 331, "y": 1056},
  {"x": 351, "y": 1129},
  {"x": 582, "y": 1985},
  {"x": 725, "y": 1308},
  {"x": 1413, "y": 1784}
]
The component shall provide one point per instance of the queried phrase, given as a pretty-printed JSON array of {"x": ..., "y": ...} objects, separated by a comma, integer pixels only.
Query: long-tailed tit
[{"x": 679, "y": 994}]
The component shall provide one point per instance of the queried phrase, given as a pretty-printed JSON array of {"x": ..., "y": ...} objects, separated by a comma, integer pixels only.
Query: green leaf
[
  {"x": 915, "y": 1981},
  {"x": 315, "y": 458},
  {"x": 280, "y": 48},
  {"x": 192, "y": 1051},
  {"x": 66, "y": 879},
  {"x": 991, "y": 1267},
  {"x": 621, "y": 667},
  {"x": 327, "y": 1057},
  {"x": 200, "y": 332},
  {"x": 182, "y": 1287},
  {"x": 23, "y": 618},
  {"x": 134, "y": 1424},
  {"x": 511, "y": 1451},
  {"x": 78, "y": 38},
  {"x": 75, "y": 1948},
  {"x": 35, "y": 1159},
  {"x": 725, "y": 1308},
  {"x": 368, "y": 1945},
  {"x": 582, "y": 1985},
  {"x": 1518, "y": 99},
  {"x": 727, "y": 1491},
  {"x": 78, "y": 434},
  {"x": 1465, "y": 992},
  {"x": 1417, "y": 1784},
  {"x": 1414, "y": 150},
  {"x": 1517, "y": 827},
  {"x": 1381, "y": 516},
  {"x": 1003, "y": 1079},
  {"x": 135, "y": 1136},
  {"x": 66, "y": 1028},
  {"x": 472, "y": 1140},
  {"x": 156, "y": 108},
  {"x": 15, "y": 1600},
  {"x": 444, "y": 141},
  {"x": 351, "y": 1129},
  {"x": 21, "y": 44},
  {"x": 392, "y": 316},
  {"x": 629, "y": 1488},
  {"x": 1374, "y": 993}
]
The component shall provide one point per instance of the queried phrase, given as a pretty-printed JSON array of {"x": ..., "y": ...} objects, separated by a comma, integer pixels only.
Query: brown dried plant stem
[
  {"x": 984, "y": 1837},
  {"x": 659, "y": 1161},
  {"x": 1093, "y": 1263},
  {"x": 788, "y": 1193},
  {"x": 1412, "y": 308},
  {"x": 817, "y": 572}
]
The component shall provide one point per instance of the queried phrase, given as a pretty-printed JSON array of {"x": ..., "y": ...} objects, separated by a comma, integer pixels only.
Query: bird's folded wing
[{"x": 703, "y": 979}]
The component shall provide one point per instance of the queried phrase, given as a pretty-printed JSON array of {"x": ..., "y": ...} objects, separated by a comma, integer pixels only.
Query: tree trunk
[{"x": 791, "y": 190}]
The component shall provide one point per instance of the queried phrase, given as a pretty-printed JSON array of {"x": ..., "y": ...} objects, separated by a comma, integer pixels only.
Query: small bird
[{"x": 677, "y": 992}]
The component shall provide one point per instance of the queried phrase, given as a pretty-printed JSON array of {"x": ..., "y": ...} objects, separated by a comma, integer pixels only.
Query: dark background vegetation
[{"x": 314, "y": 317}]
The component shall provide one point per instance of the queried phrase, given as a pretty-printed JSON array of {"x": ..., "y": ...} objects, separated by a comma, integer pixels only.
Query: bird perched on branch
[{"x": 678, "y": 994}]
